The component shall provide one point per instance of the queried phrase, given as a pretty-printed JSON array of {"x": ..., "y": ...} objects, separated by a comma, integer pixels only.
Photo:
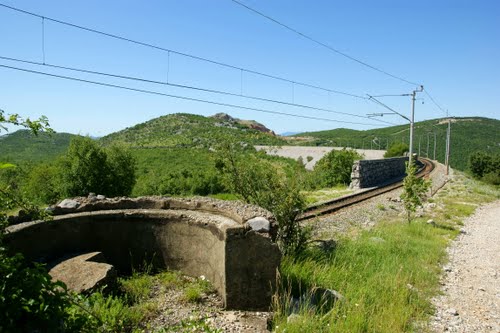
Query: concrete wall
[
  {"x": 196, "y": 236},
  {"x": 369, "y": 173}
]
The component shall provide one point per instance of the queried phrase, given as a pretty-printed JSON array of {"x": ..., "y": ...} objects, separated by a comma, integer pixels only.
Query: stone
[
  {"x": 68, "y": 204},
  {"x": 84, "y": 273},
  {"x": 453, "y": 312},
  {"x": 259, "y": 224},
  {"x": 325, "y": 297},
  {"x": 431, "y": 222},
  {"x": 101, "y": 197}
]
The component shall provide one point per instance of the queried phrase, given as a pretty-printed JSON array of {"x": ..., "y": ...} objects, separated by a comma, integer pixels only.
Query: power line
[
  {"x": 214, "y": 91},
  {"x": 151, "y": 92},
  {"x": 163, "y": 49},
  {"x": 323, "y": 44},
  {"x": 435, "y": 103}
]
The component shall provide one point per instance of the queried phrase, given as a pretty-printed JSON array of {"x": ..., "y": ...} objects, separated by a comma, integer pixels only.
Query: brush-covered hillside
[
  {"x": 23, "y": 145},
  {"x": 189, "y": 130},
  {"x": 467, "y": 135}
]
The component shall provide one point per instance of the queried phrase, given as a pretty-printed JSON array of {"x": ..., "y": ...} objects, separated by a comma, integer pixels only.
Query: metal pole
[
  {"x": 448, "y": 138},
  {"x": 412, "y": 119},
  {"x": 419, "y": 139},
  {"x": 435, "y": 136},
  {"x": 427, "y": 151}
]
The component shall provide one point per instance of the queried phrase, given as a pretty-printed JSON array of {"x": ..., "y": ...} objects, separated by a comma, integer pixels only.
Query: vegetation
[
  {"x": 387, "y": 274},
  {"x": 334, "y": 168},
  {"x": 414, "y": 190},
  {"x": 87, "y": 167},
  {"x": 265, "y": 184},
  {"x": 485, "y": 166},
  {"x": 397, "y": 149}
]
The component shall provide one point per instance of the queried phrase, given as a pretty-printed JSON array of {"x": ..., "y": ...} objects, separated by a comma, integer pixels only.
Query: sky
[{"x": 451, "y": 47}]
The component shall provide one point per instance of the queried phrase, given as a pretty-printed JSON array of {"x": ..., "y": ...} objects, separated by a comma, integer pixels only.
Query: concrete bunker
[{"x": 230, "y": 243}]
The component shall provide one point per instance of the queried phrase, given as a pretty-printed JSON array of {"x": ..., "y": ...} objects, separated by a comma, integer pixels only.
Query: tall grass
[{"x": 386, "y": 276}]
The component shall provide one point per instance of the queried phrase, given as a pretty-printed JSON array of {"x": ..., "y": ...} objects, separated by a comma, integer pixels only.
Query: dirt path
[{"x": 471, "y": 284}]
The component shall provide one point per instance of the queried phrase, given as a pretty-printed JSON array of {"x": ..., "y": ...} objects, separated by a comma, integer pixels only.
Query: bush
[
  {"x": 397, "y": 149},
  {"x": 414, "y": 190},
  {"x": 334, "y": 168},
  {"x": 485, "y": 166},
  {"x": 87, "y": 167},
  {"x": 264, "y": 183}
]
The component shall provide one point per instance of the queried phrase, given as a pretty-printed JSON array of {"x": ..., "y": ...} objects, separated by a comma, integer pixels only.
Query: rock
[
  {"x": 68, "y": 204},
  {"x": 453, "y": 312},
  {"x": 431, "y": 222},
  {"x": 91, "y": 195},
  {"x": 463, "y": 232},
  {"x": 327, "y": 245},
  {"x": 259, "y": 224},
  {"x": 101, "y": 197},
  {"x": 84, "y": 273},
  {"x": 325, "y": 297}
]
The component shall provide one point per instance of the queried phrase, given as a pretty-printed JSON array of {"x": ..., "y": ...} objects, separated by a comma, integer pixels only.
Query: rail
[{"x": 351, "y": 199}]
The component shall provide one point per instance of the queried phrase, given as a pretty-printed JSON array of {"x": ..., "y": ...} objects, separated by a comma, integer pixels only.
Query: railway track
[{"x": 351, "y": 199}]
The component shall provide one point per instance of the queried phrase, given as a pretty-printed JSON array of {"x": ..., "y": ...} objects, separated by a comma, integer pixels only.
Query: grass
[
  {"x": 134, "y": 302},
  {"x": 387, "y": 274},
  {"x": 317, "y": 196}
]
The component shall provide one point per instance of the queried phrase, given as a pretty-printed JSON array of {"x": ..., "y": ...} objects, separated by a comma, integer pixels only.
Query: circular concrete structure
[{"x": 230, "y": 243}]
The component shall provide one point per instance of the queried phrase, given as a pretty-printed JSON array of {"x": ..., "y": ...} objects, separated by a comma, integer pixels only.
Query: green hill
[
  {"x": 467, "y": 135},
  {"x": 189, "y": 130},
  {"x": 23, "y": 145}
]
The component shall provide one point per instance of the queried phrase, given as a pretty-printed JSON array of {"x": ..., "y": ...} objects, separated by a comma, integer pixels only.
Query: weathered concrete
[
  {"x": 198, "y": 236},
  {"x": 369, "y": 173},
  {"x": 84, "y": 273}
]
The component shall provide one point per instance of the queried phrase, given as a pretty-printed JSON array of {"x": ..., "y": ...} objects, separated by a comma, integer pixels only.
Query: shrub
[
  {"x": 87, "y": 167},
  {"x": 485, "y": 166},
  {"x": 334, "y": 168},
  {"x": 414, "y": 189},
  {"x": 397, "y": 149},
  {"x": 265, "y": 184}
]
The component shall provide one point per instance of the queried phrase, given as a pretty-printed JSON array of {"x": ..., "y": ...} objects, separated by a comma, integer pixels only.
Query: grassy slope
[
  {"x": 186, "y": 130},
  {"x": 468, "y": 135}
]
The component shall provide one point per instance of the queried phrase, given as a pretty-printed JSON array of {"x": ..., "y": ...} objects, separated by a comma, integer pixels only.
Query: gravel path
[{"x": 471, "y": 284}]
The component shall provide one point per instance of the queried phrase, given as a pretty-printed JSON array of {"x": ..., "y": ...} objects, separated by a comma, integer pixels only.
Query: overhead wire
[
  {"x": 214, "y": 91},
  {"x": 316, "y": 41},
  {"x": 181, "y": 97},
  {"x": 219, "y": 63}
]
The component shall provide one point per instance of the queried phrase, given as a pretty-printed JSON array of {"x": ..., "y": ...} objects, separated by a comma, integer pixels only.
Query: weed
[{"x": 380, "y": 207}]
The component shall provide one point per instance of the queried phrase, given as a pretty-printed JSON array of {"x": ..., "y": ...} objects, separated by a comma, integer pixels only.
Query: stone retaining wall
[
  {"x": 369, "y": 173},
  {"x": 230, "y": 243}
]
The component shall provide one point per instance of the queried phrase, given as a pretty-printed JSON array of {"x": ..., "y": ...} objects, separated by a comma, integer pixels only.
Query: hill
[
  {"x": 467, "y": 135},
  {"x": 189, "y": 130},
  {"x": 23, "y": 145}
]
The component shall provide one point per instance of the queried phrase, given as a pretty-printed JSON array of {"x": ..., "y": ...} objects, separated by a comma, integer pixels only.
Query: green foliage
[
  {"x": 334, "y": 168},
  {"x": 264, "y": 183},
  {"x": 397, "y": 149},
  {"x": 485, "y": 166},
  {"x": 35, "y": 126},
  {"x": 414, "y": 190},
  {"x": 87, "y": 167}
]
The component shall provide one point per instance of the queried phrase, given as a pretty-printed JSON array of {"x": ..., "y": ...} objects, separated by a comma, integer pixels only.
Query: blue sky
[{"x": 451, "y": 47}]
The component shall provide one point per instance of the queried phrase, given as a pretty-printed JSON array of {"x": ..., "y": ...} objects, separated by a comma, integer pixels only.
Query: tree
[
  {"x": 263, "y": 183},
  {"x": 88, "y": 167},
  {"x": 335, "y": 167},
  {"x": 414, "y": 189},
  {"x": 397, "y": 149}
]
